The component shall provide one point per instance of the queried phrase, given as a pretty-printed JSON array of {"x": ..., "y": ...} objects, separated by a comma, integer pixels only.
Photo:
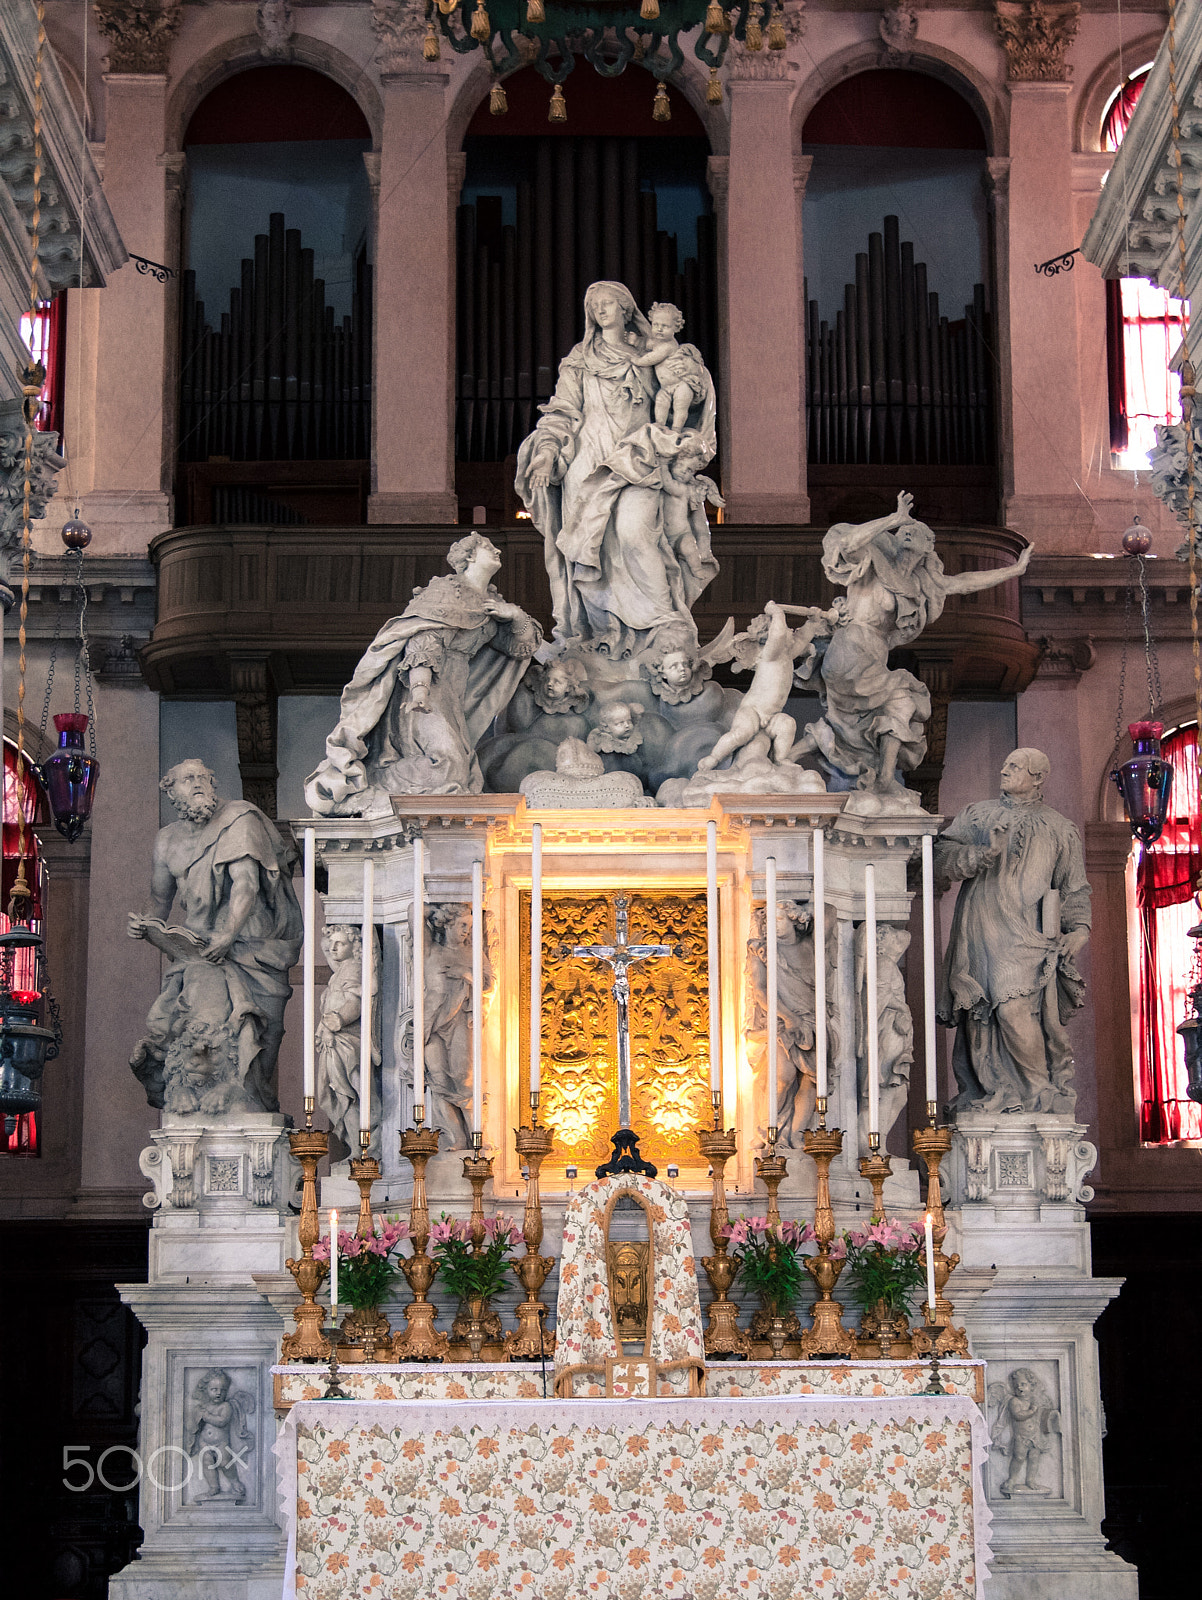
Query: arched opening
[
  {"x": 547, "y": 209},
  {"x": 275, "y": 358},
  {"x": 901, "y": 352}
]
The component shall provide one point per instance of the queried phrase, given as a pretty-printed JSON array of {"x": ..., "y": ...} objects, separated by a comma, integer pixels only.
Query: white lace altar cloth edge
[{"x": 669, "y": 1499}]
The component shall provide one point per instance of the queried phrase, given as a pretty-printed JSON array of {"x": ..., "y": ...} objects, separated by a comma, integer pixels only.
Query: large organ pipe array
[
  {"x": 893, "y": 381},
  {"x": 581, "y": 216},
  {"x": 281, "y": 379}
]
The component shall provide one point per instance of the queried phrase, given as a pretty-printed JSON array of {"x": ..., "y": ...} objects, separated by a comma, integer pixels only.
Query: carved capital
[
  {"x": 139, "y": 32},
  {"x": 717, "y": 176},
  {"x": 46, "y": 463},
  {"x": 400, "y": 29},
  {"x": 1036, "y": 38}
]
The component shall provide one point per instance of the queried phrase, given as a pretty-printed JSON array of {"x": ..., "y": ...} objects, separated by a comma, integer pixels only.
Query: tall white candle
[
  {"x": 930, "y": 1233},
  {"x": 773, "y": 1026},
  {"x": 310, "y": 1018},
  {"x": 477, "y": 994},
  {"x": 333, "y": 1265},
  {"x": 820, "y": 961},
  {"x": 536, "y": 956},
  {"x": 366, "y": 975},
  {"x": 419, "y": 972},
  {"x": 928, "y": 964},
  {"x": 712, "y": 935},
  {"x": 874, "y": 1069}
]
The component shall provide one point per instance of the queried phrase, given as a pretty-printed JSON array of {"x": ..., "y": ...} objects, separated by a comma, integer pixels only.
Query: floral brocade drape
[{"x": 1167, "y": 877}]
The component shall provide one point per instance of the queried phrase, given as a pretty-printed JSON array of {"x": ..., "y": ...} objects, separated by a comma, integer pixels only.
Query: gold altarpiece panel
[{"x": 669, "y": 1027}]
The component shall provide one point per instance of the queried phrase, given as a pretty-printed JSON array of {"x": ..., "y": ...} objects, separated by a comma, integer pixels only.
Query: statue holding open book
[{"x": 213, "y": 1035}]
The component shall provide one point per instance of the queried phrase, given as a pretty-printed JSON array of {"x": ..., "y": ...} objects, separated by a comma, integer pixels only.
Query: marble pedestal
[
  {"x": 222, "y": 1188},
  {"x": 1017, "y": 1185}
]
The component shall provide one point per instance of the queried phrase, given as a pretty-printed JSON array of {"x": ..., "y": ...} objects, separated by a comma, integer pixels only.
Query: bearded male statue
[
  {"x": 213, "y": 1035},
  {"x": 1010, "y": 979}
]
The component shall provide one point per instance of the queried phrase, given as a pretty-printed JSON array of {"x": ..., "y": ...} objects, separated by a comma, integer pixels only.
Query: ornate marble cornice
[
  {"x": 764, "y": 65},
  {"x": 1036, "y": 38},
  {"x": 139, "y": 32},
  {"x": 1133, "y": 231}
]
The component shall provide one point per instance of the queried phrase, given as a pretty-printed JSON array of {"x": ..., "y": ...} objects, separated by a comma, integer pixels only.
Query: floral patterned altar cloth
[{"x": 689, "y": 1499}]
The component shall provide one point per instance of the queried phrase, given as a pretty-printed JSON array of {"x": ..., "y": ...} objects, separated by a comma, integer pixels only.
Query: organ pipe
[
  {"x": 279, "y": 379},
  {"x": 893, "y": 380}
]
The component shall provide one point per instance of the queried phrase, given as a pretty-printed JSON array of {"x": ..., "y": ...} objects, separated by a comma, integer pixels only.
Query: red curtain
[
  {"x": 50, "y": 416},
  {"x": 1122, "y": 107},
  {"x": 1116, "y": 366},
  {"x": 1167, "y": 878}
]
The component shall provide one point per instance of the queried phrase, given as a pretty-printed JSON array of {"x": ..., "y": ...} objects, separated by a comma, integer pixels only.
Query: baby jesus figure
[
  {"x": 763, "y": 706},
  {"x": 679, "y": 369}
]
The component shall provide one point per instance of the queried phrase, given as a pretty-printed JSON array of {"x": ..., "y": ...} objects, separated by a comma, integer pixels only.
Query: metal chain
[
  {"x": 1118, "y": 716},
  {"x": 83, "y": 664},
  {"x": 58, "y": 628},
  {"x": 1151, "y": 660}
]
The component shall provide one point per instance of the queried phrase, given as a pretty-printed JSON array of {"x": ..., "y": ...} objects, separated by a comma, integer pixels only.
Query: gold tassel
[
  {"x": 661, "y": 111},
  {"x": 754, "y": 36},
  {"x": 430, "y": 48},
  {"x": 558, "y": 109},
  {"x": 498, "y": 100},
  {"x": 776, "y": 31},
  {"x": 535, "y": 12},
  {"x": 481, "y": 27},
  {"x": 713, "y": 90},
  {"x": 447, "y": 6},
  {"x": 716, "y": 20},
  {"x": 649, "y": 10}
]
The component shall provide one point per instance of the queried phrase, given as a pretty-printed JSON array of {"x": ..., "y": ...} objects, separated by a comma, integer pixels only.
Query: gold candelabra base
[
  {"x": 308, "y": 1343},
  {"x": 938, "y": 1334},
  {"x": 531, "y": 1341},
  {"x": 475, "y": 1326},
  {"x": 419, "y": 1340},
  {"x": 723, "y": 1336},
  {"x": 771, "y": 1170},
  {"x": 826, "y": 1336}
]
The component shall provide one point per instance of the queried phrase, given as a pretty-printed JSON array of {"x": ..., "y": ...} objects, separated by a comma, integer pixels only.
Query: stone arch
[
  {"x": 935, "y": 62},
  {"x": 1101, "y": 84},
  {"x": 473, "y": 89},
  {"x": 238, "y": 55}
]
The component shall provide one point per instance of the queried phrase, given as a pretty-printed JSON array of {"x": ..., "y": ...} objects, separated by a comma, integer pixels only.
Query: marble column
[
  {"x": 1044, "y": 395},
  {"x": 764, "y": 441},
  {"x": 126, "y": 498},
  {"x": 415, "y": 307}
]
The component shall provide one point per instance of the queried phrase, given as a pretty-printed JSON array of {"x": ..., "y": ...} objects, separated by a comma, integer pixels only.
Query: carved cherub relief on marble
[
  {"x": 217, "y": 1436},
  {"x": 1026, "y": 1430}
]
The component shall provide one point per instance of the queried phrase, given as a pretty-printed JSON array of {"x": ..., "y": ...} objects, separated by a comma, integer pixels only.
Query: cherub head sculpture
[
  {"x": 560, "y": 686},
  {"x": 616, "y": 730},
  {"x": 675, "y": 669}
]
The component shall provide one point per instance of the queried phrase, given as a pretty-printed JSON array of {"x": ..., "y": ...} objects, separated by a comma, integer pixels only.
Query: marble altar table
[{"x": 667, "y": 1499}]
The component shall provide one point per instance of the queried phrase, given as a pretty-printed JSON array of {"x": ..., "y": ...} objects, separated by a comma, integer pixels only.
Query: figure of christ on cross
[{"x": 620, "y": 957}]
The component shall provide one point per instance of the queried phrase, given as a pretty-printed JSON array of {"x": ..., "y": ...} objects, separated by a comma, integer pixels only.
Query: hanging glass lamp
[
  {"x": 1145, "y": 782},
  {"x": 70, "y": 776},
  {"x": 25, "y": 1044}
]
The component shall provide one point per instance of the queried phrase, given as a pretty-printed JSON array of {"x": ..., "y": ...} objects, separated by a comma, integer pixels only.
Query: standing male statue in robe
[
  {"x": 1010, "y": 979},
  {"x": 213, "y": 1035}
]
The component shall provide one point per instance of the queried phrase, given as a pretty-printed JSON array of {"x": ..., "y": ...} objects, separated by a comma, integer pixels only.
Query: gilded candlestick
[
  {"x": 531, "y": 1342},
  {"x": 772, "y": 1168},
  {"x": 364, "y": 1329},
  {"x": 827, "y": 1336},
  {"x": 477, "y": 1169},
  {"x": 308, "y": 1343},
  {"x": 723, "y": 1336},
  {"x": 876, "y": 1168},
  {"x": 938, "y": 1332},
  {"x": 420, "y": 1341}
]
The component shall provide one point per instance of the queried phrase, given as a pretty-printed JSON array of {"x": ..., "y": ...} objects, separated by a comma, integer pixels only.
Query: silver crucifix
[{"x": 620, "y": 957}]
